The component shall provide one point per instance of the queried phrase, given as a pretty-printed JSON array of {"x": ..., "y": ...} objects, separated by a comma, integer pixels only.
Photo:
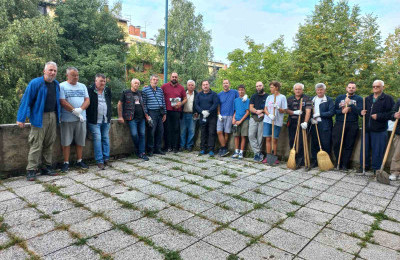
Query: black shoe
[
  {"x": 224, "y": 152},
  {"x": 101, "y": 166},
  {"x": 181, "y": 149},
  {"x": 169, "y": 150},
  {"x": 150, "y": 154},
  {"x": 159, "y": 152},
  {"x": 143, "y": 156},
  {"x": 48, "y": 170},
  {"x": 65, "y": 167},
  {"x": 313, "y": 165},
  {"x": 190, "y": 149},
  {"x": 343, "y": 168},
  {"x": 31, "y": 175},
  {"x": 176, "y": 150},
  {"x": 82, "y": 165}
]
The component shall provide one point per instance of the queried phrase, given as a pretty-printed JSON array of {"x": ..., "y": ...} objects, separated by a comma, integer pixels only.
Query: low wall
[{"x": 14, "y": 146}]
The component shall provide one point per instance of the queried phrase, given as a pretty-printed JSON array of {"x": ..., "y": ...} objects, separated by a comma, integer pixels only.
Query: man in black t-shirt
[
  {"x": 257, "y": 104},
  {"x": 131, "y": 110}
]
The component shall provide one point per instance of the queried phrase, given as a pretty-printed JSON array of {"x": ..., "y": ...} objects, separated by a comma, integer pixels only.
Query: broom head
[
  {"x": 291, "y": 163},
  {"x": 383, "y": 177},
  {"x": 324, "y": 162}
]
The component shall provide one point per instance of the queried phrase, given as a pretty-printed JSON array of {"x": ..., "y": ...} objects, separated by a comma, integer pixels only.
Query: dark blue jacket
[
  {"x": 33, "y": 101},
  {"x": 207, "y": 101},
  {"x": 382, "y": 108},
  {"x": 326, "y": 112},
  {"x": 356, "y": 108}
]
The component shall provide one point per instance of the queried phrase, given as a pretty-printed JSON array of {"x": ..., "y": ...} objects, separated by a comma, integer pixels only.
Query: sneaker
[
  {"x": 225, "y": 152},
  {"x": 65, "y": 167},
  {"x": 202, "y": 152},
  {"x": 107, "y": 163},
  {"x": 48, "y": 170},
  {"x": 159, "y": 152},
  {"x": 211, "y": 154},
  {"x": 31, "y": 175},
  {"x": 265, "y": 160},
  {"x": 144, "y": 157},
  {"x": 257, "y": 157},
  {"x": 175, "y": 150},
  {"x": 393, "y": 177},
  {"x": 261, "y": 156},
  {"x": 276, "y": 162},
  {"x": 101, "y": 166},
  {"x": 82, "y": 165},
  {"x": 150, "y": 154},
  {"x": 190, "y": 149},
  {"x": 235, "y": 155},
  {"x": 169, "y": 150},
  {"x": 220, "y": 151}
]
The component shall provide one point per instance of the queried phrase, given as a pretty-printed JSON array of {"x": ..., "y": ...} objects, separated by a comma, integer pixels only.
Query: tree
[
  {"x": 27, "y": 41},
  {"x": 335, "y": 46},
  {"x": 189, "y": 44}
]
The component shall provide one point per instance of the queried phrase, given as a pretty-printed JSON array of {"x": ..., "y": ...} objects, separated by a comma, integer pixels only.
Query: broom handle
[
  {"x": 390, "y": 143},
  {"x": 363, "y": 136},
  {"x": 298, "y": 126},
  {"x": 273, "y": 126},
  {"x": 319, "y": 141},
  {"x": 308, "y": 151},
  {"x": 341, "y": 141},
  {"x": 305, "y": 147}
]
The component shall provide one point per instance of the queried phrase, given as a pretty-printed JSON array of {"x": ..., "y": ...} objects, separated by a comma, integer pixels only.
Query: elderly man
[
  {"x": 206, "y": 104},
  {"x": 225, "y": 115},
  {"x": 395, "y": 165},
  {"x": 154, "y": 106},
  {"x": 189, "y": 118},
  {"x": 175, "y": 98},
  {"x": 257, "y": 104},
  {"x": 74, "y": 100},
  {"x": 293, "y": 109},
  {"x": 42, "y": 105},
  {"x": 378, "y": 108},
  {"x": 350, "y": 104},
  {"x": 131, "y": 110},
  {"x": 324, "y": 110},
  {"x": 98, "y": 118}
]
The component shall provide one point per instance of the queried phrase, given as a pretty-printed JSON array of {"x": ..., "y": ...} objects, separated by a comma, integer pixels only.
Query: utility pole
[{"x": 166, "y": 43}]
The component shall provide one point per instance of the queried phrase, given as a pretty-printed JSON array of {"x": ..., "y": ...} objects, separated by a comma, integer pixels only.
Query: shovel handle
[{"x": 389, "y": 143}]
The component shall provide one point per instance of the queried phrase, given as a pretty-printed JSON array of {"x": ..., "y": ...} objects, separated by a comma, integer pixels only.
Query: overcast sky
[{"x": 264, "y": 21}]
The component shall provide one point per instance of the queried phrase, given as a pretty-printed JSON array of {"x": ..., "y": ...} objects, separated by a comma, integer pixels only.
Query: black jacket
[
  {"x": 395, "y": 110},
  {"x": 91, "y": 111},
  {"x": 326, "y": 112},
  {"x": 382, "y": 108},
  {"x": 356, "y": 108}
]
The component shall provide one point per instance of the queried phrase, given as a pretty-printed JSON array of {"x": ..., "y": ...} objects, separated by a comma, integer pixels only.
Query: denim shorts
[
  {"x": 225, "y": 125},
  {"x": 267, "y": 130}
]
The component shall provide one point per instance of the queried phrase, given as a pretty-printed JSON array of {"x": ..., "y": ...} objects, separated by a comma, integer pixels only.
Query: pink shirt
[{"x": 171, "y": 92}]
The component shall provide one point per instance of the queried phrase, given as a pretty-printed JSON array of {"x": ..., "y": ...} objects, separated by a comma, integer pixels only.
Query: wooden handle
[
  {"x": 341, "y": 141},
  {"x": 389, "y": 143},
  {"x": 363, "y": 136},
  {"x": 298, "y": 126}
]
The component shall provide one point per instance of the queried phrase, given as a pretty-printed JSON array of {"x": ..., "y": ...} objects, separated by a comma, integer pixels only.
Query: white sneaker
[
  {"x": 235, "y": 155},
  {"x": 393, "y": 177},
  {"x": 240, "y": 156}
]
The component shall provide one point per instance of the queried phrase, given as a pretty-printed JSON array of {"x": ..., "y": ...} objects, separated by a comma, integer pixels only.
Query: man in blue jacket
[
  {"x": 350, "y": 104},
  {"x": 206, "y": 104},
  {"x": 41, "y": 104},
  {"x": 324, "y": 109},
  {"x": 378, "y": 111}
]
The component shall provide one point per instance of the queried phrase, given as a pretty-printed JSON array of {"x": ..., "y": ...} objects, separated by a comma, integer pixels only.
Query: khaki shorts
[
  {"x": 73, "y": 131},
  {"x": 243, "y": 129}
]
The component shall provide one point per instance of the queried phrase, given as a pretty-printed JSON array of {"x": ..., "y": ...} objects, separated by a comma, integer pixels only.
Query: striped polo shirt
[{"x": 153, "y": 100}]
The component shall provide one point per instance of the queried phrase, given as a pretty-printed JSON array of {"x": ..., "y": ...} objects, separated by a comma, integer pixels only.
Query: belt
[{"x": 188, "y": 112}]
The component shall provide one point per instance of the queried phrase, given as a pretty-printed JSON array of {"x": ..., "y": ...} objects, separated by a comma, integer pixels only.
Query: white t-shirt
[
  {"x": 75, "y": 95},
  {"x": 269, "y": 103}
]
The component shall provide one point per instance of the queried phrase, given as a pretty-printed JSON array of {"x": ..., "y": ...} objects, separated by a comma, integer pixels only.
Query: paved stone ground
[{"x": 182, "y": 206}]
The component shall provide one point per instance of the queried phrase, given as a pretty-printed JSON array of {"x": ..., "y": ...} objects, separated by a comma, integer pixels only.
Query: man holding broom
[
  {"x": 293, "y": 109},
  {"x": 395, "y": 165},
  {"x": 378, "y": 111},
  {"x": 350, "y": 105}
]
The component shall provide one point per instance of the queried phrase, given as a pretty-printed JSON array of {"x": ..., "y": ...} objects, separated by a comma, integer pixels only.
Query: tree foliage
[
  {"x": 390, "y": 63},
  {"x": 189, "y": 44}
]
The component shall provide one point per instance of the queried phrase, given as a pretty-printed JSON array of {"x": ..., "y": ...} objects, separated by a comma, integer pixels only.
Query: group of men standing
[{"x": 170, "y": 113}]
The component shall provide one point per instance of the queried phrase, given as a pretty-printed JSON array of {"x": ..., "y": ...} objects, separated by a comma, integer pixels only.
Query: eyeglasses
[
  {"x": 259, "y": 85},
  {"x": 376, "y": 86}
]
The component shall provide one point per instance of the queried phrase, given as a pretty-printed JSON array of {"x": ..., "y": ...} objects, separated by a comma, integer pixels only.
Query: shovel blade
[{"x": 383, "y": 177}]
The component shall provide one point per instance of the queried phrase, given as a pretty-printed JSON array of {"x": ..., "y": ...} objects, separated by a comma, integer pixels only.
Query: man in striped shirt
[{"x": 154, "y": 106}]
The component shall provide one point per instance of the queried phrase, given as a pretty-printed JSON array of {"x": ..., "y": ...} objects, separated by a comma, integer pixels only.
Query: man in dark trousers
[
  {"x": 395, "y": 165},
  {"x": 42, "y": 105},
  {"x": 175, "y": 98},
  {"x": 378, "y": 108},
  {"x": 324, "y": 110},
  {"x": 293, "y": 104},
  {"x": 206, "y": 104},
  {"x": 352, "y": 106}
]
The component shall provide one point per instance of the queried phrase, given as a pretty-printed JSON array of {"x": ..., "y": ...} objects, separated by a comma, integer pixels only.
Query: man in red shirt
[{"x": 175, "y": 98}]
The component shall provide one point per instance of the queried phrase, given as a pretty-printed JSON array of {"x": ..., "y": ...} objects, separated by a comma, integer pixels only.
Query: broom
[
  {"x": 324, "y": 162},
  {"x": 382, "y": 176},
  {"x": 291, "y": 163},
  {"x": 305, "y": 146},
  {"x": 341, "y": 141}
]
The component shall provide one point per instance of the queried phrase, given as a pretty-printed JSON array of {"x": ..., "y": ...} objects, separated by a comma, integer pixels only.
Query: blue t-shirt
[
  {"x": 226, "y": 100},
  {"x": 75, "y": 95},
  {"x": 240, "y": 108}
]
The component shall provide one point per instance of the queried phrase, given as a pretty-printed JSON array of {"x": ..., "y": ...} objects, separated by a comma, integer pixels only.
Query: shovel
[
  {"x": 382, "y": 176},
  {"x": 271, "y": 158}
]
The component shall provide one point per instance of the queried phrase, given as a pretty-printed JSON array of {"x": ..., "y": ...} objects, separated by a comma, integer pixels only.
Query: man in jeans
[
  {"x": 175, "y": 98},
  {"x": 154, "y": 106},
  {"x": 74, "y": 100},
  {"x": 131, "y": 110},
  {"x": 257, "y": 104},
  {"x": 206, "y": 103},
  {"x": 189, "y": 118},
  {"x": 98, "y": 118},
  {"x": 41, "y": 103}
]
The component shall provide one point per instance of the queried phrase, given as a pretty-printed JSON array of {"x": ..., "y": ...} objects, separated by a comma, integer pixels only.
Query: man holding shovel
[
  {"x": 275, "y": 107},
  {"x": 395, "y": 165}
]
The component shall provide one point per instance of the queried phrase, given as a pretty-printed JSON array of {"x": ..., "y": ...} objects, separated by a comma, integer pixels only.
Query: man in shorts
[
  {"x": 74, "y": 100},
  {"x": 240, "y": 122},
  {"x": 225, "y": 115}
]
